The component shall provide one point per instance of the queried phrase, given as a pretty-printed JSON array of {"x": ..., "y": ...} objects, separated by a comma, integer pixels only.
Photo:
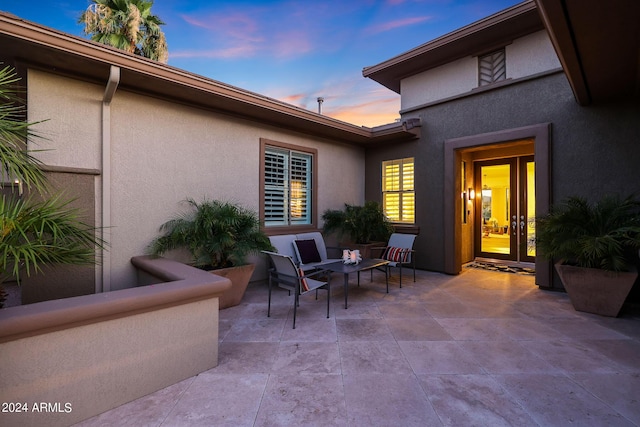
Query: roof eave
[
  {"x": 42, "y": 47},
  {"x": 488, "y": 33}
]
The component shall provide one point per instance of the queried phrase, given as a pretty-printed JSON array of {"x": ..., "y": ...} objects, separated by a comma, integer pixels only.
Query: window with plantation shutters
[
  {"x": 398, "y": 190},
  {"x": 287, "y": 187},
  {"x": 492, "y": 68}
]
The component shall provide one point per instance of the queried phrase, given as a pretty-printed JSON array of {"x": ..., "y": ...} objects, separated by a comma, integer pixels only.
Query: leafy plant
[
  {"x": 216, "y": 233},
  {"x": 33, "y": 232},
  {"x": 604, "y": 235},
  {"x": 362, "y": 224},
  {"x": 127, "y": 25}
]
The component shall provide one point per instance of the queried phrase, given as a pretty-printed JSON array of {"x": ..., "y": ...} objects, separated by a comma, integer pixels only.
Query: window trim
[
  {"x": 400, "y": 192},
  {"x": 289, "y": 229}
]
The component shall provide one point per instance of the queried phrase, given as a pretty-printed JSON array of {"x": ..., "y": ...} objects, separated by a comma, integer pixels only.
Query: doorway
[{"x": 505, "y": 199}]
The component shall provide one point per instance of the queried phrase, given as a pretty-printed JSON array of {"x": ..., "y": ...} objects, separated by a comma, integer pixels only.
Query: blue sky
[{"x": 294, "y": 51}]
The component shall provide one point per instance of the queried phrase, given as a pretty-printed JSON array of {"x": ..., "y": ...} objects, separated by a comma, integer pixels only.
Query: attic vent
[{"x": 492, "y": 68}]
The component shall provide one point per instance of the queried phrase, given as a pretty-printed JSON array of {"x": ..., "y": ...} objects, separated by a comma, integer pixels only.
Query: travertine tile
[
  {"x": 473, "y": 400},
  {"x": 293, "y": 399},
  {"x": 442, "y": 357},
  {"x": 557, "y": 400},
  {"x": 373, "y": 357}
]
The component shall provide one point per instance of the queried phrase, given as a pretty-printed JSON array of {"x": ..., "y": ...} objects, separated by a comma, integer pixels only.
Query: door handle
[{"x": 522, "y": 228}]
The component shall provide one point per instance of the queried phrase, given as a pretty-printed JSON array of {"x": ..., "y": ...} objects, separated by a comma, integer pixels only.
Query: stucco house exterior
[
  {"x": 523, "y": 91},
  {"x": 132, "y": 138},
  {"x": 518, "y": 111}
]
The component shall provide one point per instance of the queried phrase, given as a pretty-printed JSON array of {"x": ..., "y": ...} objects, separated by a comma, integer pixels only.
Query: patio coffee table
[{"x": 346, "y": 269}]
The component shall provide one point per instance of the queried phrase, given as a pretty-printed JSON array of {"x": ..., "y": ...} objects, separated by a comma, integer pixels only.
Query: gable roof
[
  {"x": 597, "y": 42},
  {"x": 479, "y": 37},
  {"x": 34, "y": 45}
]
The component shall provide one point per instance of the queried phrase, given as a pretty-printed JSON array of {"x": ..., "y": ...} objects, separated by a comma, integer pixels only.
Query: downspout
[{"x": 104, "y": 285}]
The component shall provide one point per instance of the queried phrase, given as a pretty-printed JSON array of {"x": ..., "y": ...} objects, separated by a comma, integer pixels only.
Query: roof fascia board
[
  {"x": 556, "y": 22},
  {"x": 456, "y": 35},
  {"x": 93, "y": 51}
]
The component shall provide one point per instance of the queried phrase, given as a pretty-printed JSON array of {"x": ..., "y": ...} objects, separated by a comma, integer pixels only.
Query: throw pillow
[
  {"x": 303, "y": 282},
  {"x": 307, "y": 251},
  {"x": 397, "y": 254}
]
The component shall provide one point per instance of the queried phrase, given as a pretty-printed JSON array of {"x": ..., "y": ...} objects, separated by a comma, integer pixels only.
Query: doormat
[{"x": 502, "y": 268}]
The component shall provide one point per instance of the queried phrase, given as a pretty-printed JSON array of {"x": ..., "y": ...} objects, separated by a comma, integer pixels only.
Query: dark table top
[{"x": 365, "y": 264}]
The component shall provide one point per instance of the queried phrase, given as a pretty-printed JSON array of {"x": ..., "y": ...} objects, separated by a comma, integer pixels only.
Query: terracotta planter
[
  {"x": 239, "y": 277},
  {"x": 596, "y": 291}
]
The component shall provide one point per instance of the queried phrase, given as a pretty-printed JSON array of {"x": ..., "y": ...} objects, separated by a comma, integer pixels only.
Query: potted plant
[
  {"x": 219, "y": 237},
  {"x": 365, "y": 226},
  {"x": 596, "y": 246}
]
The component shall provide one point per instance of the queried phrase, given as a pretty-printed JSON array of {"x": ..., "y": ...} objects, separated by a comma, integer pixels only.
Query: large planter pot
[
  {"x": 596, "y": 291},
  {"x": 239, "y": 277}
]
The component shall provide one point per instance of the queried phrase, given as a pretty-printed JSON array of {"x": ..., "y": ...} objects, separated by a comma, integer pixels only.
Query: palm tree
[
  {"x": 34, "y": 230},
  {"x": 127, "y": 25}
]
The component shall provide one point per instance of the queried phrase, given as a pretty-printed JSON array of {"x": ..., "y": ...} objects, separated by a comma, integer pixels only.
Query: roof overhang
[
  {"x": 598, "y": 44},
  {"x": 477, "y": 38},
  {"x": 38, "y": 46}
]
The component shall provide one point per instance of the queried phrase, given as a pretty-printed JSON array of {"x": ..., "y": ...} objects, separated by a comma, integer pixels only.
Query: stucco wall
[
  {"x": 162, "y": 153},
  {"x": 593, "y": 149},
  {"x": 531, "y": 55},
  {"x": 526, "y": 56}
]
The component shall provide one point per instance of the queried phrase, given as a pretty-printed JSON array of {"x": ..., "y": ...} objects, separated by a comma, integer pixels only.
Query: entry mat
[{"x": 501, "y": 267}]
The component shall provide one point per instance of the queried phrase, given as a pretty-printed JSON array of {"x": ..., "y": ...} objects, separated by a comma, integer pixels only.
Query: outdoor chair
[
  {"x": 399, "y": 251},
  {"x": 288, "y": 276}
]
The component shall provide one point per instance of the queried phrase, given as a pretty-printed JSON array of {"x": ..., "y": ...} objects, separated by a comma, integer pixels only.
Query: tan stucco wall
[
  {"x": 530, "y": 55},
  {"x": 163, "y": 152},
  {"x": 72, "y": 110},
  {"x": 86, "y": 370},
  {"x": 526, "y": 56}
]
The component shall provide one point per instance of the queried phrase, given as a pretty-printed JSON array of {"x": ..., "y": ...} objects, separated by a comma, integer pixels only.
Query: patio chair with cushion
[
  {"x": 288, "y": 276},
  {"x": 399, "y": 251}
]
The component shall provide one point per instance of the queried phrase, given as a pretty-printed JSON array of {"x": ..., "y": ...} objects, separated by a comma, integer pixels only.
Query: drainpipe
[{"x": 104, "y": 285}]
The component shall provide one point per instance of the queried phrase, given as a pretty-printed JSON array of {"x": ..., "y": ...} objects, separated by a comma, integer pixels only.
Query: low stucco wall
[{"x": 67, "y": 360}]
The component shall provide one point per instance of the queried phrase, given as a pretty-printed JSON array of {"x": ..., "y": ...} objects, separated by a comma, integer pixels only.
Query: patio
[{"x": 481, "y": 348}]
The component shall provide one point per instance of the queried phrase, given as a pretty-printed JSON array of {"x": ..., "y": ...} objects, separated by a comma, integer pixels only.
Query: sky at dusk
[{"x": 293, "y": 51}]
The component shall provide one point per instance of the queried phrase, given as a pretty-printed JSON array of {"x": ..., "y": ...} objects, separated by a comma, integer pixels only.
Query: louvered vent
[{"x": 492, "y": 68}]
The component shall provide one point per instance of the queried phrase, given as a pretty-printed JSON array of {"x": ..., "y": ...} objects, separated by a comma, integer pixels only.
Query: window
[
  {"x": 287, "y": 185},
  {"x": 398, "y": 191},
  {"x": 492, "y": 68}
]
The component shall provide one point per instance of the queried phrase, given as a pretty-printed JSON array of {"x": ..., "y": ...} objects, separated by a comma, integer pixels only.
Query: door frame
[
  {"x": 518, "y": 200},
  {"x": 477, "y": 230},
  {"x": 453, "y": 148}
]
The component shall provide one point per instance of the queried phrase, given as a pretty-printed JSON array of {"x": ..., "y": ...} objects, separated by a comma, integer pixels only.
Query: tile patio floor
[{"x": 483, "y": 348}]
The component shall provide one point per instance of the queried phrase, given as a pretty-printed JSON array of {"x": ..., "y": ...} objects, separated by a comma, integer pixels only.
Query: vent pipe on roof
[{"x": 320, "y": 101}]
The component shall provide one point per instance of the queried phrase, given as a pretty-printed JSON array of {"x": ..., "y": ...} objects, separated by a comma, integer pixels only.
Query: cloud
[
  {"x": 246, "y": 51},
  {"x": 391, "y": 25}
]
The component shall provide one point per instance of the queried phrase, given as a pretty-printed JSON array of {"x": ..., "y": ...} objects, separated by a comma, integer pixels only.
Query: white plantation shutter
[
  {"x": 398, "y": 192},
  {"x": 287, "y": 187},
  {"x": 300, "y": 178},
  {"x": 275, "y": 187}
]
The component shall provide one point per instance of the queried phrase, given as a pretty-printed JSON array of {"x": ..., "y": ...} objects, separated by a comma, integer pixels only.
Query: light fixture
[{"x": 471, "y": 193}]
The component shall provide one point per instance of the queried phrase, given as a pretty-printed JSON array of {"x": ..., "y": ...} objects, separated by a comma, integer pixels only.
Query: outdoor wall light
[{"x": 472, "y": 194}]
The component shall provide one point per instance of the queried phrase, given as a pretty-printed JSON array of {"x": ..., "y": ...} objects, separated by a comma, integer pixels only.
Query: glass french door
[{"x": 505, "y": 209}]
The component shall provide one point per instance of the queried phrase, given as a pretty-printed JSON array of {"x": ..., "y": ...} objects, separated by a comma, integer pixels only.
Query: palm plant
[
  {"x": 127, "y": 25},
  {"x": 603, "y": 235},
  {"x": 217, "y": 234},
  {"x": 32, "y": 233},
  {"x": 362, "y": 224}
]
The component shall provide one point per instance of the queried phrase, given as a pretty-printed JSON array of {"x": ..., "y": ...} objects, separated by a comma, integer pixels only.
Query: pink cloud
[
  {"x": 396, "y": 24},
  {"x": 226, "y": 53},
  {"x": 292, "y": 43}
]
